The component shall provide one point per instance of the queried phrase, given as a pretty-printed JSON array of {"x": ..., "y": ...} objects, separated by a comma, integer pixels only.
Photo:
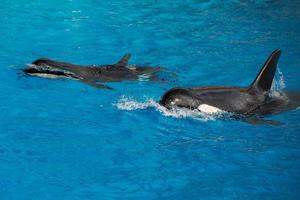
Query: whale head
[
  {"x": 48, "y": 69},
  {"x": 179, "y": 97}
]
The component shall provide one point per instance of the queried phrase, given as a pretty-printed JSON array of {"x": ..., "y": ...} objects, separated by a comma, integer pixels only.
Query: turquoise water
[{"x": 61, "y": 139}]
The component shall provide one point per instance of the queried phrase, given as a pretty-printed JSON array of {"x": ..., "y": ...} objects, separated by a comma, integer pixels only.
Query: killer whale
[
  {"x": 92, "y": 74},
  {"x": 248, "y": 104}
]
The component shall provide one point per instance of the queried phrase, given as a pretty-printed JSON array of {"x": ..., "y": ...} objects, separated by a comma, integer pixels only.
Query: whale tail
[{"x": 264, "y": 78}]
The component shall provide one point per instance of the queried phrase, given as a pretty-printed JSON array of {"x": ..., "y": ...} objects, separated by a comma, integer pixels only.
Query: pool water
[{"x": 62, "y": 139}]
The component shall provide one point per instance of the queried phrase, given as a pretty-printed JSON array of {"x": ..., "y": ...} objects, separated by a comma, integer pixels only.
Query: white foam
[
  {"x": 278, "y": 84},
  {"x": 144, "y": 77},
  {"x": 129, "y": 104}
]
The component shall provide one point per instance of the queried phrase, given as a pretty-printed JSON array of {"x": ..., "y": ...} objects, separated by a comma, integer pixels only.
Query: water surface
[{"x": 62, "y": 139}]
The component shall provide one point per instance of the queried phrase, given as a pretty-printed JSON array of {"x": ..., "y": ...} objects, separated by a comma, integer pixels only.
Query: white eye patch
[
  {"x": 144, "y": 77},
  {"x": 208, "y": 109}
]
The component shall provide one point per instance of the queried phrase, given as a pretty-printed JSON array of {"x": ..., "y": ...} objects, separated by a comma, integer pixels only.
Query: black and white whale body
[
  {"x": 91, "y": 74},
  {"x": 246, "y": 103}
]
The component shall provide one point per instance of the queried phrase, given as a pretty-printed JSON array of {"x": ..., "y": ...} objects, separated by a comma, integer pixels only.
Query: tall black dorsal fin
[
  {"x": 264, "y": 78},
  {"x": 124, "y": 60}
]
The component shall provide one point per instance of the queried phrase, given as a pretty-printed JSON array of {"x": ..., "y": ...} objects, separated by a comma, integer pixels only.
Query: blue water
[{"x": 61, "y": 139}]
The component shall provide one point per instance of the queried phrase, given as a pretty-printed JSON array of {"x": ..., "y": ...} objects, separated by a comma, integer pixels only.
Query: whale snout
[{"x": 165, "y": 102}]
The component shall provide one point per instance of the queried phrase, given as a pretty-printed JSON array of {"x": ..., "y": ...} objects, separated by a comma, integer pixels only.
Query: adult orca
[
  {"x": 92, "y": 74},
  {"x": 248, "y": 104}
]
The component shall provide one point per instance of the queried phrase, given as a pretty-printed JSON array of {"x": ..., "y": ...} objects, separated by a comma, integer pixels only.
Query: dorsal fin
[
  {"x": 124, "y": 60},
  {"x": 264, "y": 78}
]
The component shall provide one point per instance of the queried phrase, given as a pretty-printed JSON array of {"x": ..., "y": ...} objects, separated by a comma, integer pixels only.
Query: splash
[
  {"x": 126, "y": 103},
  {"x": 129, "y": 104},
  {"x": 278, "y": 84}
]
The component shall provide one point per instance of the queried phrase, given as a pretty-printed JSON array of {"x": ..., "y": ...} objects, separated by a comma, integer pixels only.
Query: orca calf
[
  {"x": 91, "y": 74},
  {"x": 248, "y": 104}
]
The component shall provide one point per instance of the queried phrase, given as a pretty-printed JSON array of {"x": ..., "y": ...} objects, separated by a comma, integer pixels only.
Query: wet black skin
[
  {"x": 248, "y": 103},
  {"x": 233, "y": 99},
  {"x": 93, "y": 75}
]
